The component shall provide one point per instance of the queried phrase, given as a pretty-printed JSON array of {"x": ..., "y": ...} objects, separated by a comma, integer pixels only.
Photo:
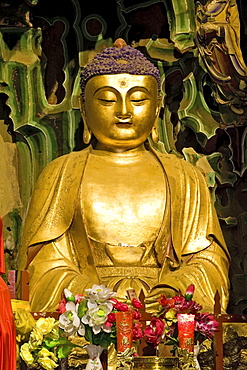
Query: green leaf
[
  {"x": 64, "y": 351},
  {"x": 50, "y": 343},
  {"x": 88, "y": 334},
  {"x": 172, "y": 341},
  {"x": 82, "y": 308}
]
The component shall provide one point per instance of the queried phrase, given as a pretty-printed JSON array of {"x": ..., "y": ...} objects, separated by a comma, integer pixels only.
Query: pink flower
[
  {"x": 154, "y": 331},
  {"x": 182, "y": 306},
  {"x": 62, "y": 306},
  {"x": 79, "y": 298},
  {"x": 108, "y": 324},
  {"x": 136, "y": 315},
  {"x": 137, "y": 331},
  {"x": 136, "y": 303},
  {"x": 206, "y": 325}
]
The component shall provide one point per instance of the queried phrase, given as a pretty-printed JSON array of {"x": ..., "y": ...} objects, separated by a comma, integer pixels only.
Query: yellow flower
[
  {"x": 44, "y": 352},
  {"x": 35, "y": 339},
  {"x": 54, "y": 334},
  {"x": 45, "y": 324},
  {"x": 26, "y": 354},
  {"x": 24, "y": 321},
  {"x": 47, "y": 363},
  {"x": 171, "y": 315}
]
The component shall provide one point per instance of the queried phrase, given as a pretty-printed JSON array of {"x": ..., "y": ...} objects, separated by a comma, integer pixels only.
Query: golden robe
[{"x": 189, "y": 247}]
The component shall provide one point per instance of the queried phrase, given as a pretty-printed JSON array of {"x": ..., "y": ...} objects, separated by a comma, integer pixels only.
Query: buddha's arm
[
  {"x": 52, "y": 269},
  {"x": 207, "y": 270}
]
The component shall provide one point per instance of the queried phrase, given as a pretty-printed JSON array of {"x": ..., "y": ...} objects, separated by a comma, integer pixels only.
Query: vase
[
  {"x": 196, "y": 352},
  {"x": 94, "y": 352}
]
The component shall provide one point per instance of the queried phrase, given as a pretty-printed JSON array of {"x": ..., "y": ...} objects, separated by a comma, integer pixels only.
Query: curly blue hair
[{"x": 115, "y": 60}]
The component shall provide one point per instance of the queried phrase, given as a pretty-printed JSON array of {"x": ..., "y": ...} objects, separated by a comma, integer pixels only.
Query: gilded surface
[
  {"x": 120, "y": 214},
  {"x": 151, "y": 362}
]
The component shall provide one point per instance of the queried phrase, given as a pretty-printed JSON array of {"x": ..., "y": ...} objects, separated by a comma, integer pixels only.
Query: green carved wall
[{"x": 199, "y": 49}]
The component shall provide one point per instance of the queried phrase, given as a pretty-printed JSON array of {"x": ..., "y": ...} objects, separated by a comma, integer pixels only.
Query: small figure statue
[
  {"x": 119, "y": 212},
  {"x": 218, "y": 32}
]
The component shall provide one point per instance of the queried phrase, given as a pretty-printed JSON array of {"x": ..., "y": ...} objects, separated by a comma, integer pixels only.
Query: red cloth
[
  {"x": 2, "y": 266},
  {"x": 7, "y": 326}
]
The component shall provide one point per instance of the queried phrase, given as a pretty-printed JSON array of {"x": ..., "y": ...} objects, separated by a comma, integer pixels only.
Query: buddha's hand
[{"x": 151, "y": 300}]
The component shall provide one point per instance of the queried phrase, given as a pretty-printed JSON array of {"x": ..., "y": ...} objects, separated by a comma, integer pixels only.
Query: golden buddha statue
[{"x": 120, "y": 213}]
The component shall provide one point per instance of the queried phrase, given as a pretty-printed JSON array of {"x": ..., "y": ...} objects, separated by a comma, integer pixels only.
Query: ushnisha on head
[{"x": 116, "y": 60}]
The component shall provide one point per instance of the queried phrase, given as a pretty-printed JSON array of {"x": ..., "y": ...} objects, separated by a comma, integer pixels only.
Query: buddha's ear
[
  {"x": 155, "y": 129},
  {"x": 87, "y": 134},
  {"x": 159, "y": 102},
  {"x": 82, "y": 107}
]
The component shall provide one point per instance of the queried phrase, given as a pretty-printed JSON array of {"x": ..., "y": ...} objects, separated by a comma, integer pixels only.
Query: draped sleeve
[{"x": 197, "y": 253}]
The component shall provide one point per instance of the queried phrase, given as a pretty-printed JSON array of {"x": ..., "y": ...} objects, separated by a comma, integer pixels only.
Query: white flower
[
  {"x": 99, "y": 294},
  {"x": 96, "y": 318},
  {"x": 70, "y": 323},
  {"x": 67, "y": 293},
  {"x": 71, "y": 306}
]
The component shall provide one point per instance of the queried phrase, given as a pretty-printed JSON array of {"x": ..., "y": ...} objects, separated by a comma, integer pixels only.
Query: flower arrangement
[
  {"x": 94, "y": 316},
  {"x": 164, "y": 326},
  {"x": 37, "y": 351}
]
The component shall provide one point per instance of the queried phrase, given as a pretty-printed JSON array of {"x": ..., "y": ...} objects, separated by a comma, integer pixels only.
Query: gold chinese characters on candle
[
  {"x": 124, "y": 322},
  {"x": 186, "y": 330}
]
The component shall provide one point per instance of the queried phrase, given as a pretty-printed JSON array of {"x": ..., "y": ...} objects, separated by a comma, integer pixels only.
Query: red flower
[
  {"x": 167, "y": 303},
  {"x": 62, "y": 306},
  {"x": 137, "y": 331},
  {"x": 119, "y": 305},
  {"x": 111, "y": 317},
  {"x": 136, "y": 315},
  {"x": 154, "y": 331},
  {"x": 190, "y": 289},
  {"x": 136, "y": 303},
  {"x": 189, "y": 292}
]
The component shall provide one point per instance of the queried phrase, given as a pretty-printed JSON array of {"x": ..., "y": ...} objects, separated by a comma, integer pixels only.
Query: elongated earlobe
[
  {"x": 155, "y": 133},
  {"x": 87, "y": 134},
  {"x": 155, "y": 129}
]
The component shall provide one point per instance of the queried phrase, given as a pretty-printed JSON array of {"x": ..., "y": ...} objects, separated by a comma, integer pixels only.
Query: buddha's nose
[
  {"x": 124, "y": 116},
  {"x": 123, "y": 113}
]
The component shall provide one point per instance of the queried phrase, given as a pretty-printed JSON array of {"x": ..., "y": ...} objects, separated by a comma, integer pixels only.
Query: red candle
[
  {"x": 186, "y": 330},
  {"x": 124, "y": 321}
]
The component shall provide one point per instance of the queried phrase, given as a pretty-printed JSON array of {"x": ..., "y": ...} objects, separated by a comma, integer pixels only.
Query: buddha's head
[{"x": 120, "y": 99}]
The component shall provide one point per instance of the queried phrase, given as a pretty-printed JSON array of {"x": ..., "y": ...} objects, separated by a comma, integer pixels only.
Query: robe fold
[{"x": 61, "y": 254}]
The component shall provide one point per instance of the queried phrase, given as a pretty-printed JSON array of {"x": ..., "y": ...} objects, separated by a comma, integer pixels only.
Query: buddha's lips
[{"x": 123, "y": 124}]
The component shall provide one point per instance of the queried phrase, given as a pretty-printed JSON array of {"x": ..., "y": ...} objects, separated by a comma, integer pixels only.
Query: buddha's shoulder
[
  {"x": 172, "y": 161},
  {"x": 68, "y": 163},
  {"x": 68, "y": 159}
]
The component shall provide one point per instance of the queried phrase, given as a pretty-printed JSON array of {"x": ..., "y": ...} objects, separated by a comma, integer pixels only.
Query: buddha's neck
[{"x": 131, "y": 155}]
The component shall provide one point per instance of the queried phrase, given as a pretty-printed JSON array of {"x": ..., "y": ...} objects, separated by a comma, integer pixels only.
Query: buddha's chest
[{"x": 123, "y": 203}]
